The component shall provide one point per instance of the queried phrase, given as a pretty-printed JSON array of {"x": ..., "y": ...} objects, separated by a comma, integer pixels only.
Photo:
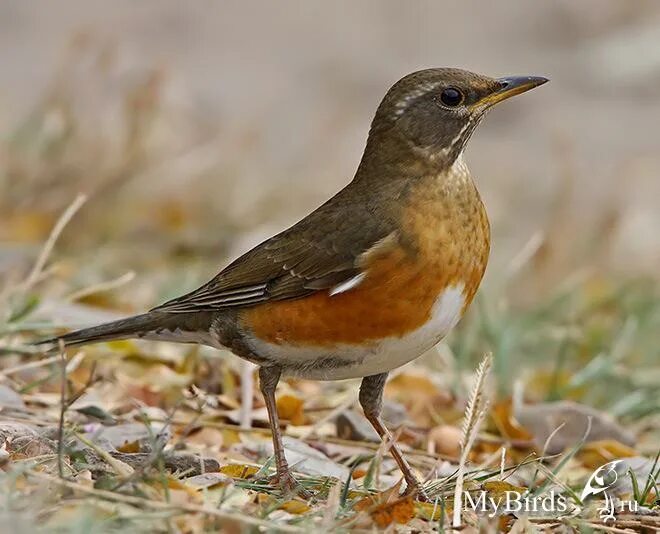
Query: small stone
[{"x": 446, "y": 440}]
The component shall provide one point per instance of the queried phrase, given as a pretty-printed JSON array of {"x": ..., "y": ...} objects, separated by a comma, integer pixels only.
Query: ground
[{"x": 552, "y": 374}]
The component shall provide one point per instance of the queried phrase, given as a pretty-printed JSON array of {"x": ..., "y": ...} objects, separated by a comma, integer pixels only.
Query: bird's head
[{"x": 434, "y": 112}]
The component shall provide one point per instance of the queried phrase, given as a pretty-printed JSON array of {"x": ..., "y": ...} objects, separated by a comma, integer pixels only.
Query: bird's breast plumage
[{"x": 414, "y": 287}]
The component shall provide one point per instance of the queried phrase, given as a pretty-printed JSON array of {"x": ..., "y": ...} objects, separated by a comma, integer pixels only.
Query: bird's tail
[{"x": 151, "y": 325}]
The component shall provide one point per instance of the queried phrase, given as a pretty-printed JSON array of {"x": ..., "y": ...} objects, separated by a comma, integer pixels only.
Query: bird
[{"x": 368, "y": 281}]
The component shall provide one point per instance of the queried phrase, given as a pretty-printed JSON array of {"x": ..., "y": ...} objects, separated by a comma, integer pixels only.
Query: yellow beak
[{"x": 511, "y": 86}]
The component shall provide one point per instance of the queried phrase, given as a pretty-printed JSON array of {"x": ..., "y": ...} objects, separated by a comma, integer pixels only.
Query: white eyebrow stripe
[
  {"x": 348, "y": 284},
  {"x": 402, "y": 104}
]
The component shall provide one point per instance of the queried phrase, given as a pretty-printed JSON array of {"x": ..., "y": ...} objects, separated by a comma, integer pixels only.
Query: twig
[
  {"x": 159, "y": 505},
  {"x": 121, "y": 468},
  {"x": 30, "y": 365},
  {"x": 101, "y": 286},
  {"x": 64, "y": 219},
  {"x": 65, "y": 404},
  {"x": 603, "y": 527},
  {"x": 156, "y": 455},
  {"x": 525, "y": 254},
  {"x": 63, "y": 408}
]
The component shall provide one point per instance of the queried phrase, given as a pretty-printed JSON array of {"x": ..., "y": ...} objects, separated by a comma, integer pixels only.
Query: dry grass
[{"x": 188, "y": 453}]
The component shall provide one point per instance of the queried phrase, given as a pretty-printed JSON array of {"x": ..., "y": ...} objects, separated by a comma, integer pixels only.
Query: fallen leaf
[
  {"x": 295, "y": 506},
  {"x": 358, "y": 473},
  {"x": 290, "y": 408},
  {"x": 208, "y": 480},
  {"x": 543, "y": 419},
  {"x": 372, "y": 500},
  {"x": 305, "y": 458},
  {"x": 239, "y": 470},
  {"x": 399, "y": 511},
  {"x": 430, "y": 511},
  {"x": 420, "y": 396},
  {"x": 132, "y": 436},
  {"x": 505, "y": 422},
  {"x": 207, "y": 437},
  {"x": 176, "y": 484},
  {"x": 596, "y": 453},
  {"x": 498, "y": 489},
  {"x": 352, "y": 425},
  {"x": 130, "y": 447}
]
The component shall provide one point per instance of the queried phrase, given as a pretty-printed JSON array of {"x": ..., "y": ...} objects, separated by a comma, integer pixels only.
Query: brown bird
[{"x": 368, "y": 281}]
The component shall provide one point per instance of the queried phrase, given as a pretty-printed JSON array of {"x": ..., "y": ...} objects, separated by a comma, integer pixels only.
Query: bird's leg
[
  {"x": 371, "y": 400},
  {"x": 268, "y": 379}
]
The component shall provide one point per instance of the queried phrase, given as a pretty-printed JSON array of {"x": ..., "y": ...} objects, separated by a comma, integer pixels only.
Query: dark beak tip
[{"x": 510, "y": 82}]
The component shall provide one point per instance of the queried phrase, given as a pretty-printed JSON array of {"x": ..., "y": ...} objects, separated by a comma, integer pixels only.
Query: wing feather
[{"x": 318, "y": 253}]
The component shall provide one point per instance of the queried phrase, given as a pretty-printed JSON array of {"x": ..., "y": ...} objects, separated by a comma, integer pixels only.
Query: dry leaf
[
  {"x": 358, "y": 473},
  {"x": 497, "y": 489},
  {"x": 307, "y": 459},
  {"x": 506, "y": 423},
  {"x": 206, "y": 437},
  {"x": 399, "y": 511},
  {"x": 420, "y": 396},
  {"x": 543, "y": 419},
  {"x": 596, "y": 453},
  {"x": 431, "y": 511},
  {"x": 208, "y": 481},
  {"x": 130, "y": 447},
  {"x": 295, "y": 506},
  {"x": 181, "y": 487},
  {"x": 239, "y": 470},
  {"x": 290, "y": 408}
]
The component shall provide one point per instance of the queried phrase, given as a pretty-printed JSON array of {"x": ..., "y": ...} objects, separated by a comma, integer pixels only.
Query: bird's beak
[{"x": 511, "y": 86}]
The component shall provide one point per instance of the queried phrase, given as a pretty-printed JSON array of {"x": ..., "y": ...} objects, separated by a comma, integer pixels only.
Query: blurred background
[
  {"x": 197, "y": 130},
  {"x": 203, "y": 128}
]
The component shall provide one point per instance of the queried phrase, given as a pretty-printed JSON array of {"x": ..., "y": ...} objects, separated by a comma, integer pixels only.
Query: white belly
[{"x": 352, "y": 361}]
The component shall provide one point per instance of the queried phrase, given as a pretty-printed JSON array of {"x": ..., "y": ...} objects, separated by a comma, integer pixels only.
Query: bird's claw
[{"x": 290, "y": 486}]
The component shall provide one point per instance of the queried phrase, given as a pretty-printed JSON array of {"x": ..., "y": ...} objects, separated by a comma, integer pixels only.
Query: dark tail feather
[{"x": 132, "y": 327}]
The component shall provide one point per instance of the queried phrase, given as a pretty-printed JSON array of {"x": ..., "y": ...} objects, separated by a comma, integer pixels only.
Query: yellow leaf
[
  {"x": 431, "y": 511},
  {"x": 596, "y": 453},
  {"x": 230, "y": 437},
  {"x": 295, "y": 507},
  {"x": 506, "y": 423},
  {"x": 184, "y": 491},
  {"x": 130, "y": 447},
  {"x": 497, "y": 489},
  {"x": 291, "y": 409},
  {"x": 239, "y": 470}
]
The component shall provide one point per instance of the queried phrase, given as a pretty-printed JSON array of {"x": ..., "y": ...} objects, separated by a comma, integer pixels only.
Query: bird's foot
[{"x": 290, "y": 486}]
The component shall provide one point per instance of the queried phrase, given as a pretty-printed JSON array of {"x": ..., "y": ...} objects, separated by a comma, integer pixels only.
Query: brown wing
[{"x": 317, "y": 253}]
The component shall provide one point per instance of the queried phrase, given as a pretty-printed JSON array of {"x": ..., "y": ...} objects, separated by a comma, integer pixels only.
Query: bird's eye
[{"x": 451, "y": 97}]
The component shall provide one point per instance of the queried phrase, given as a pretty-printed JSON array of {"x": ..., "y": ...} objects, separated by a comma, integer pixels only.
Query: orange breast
[{"x": 439, "y": 245}]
